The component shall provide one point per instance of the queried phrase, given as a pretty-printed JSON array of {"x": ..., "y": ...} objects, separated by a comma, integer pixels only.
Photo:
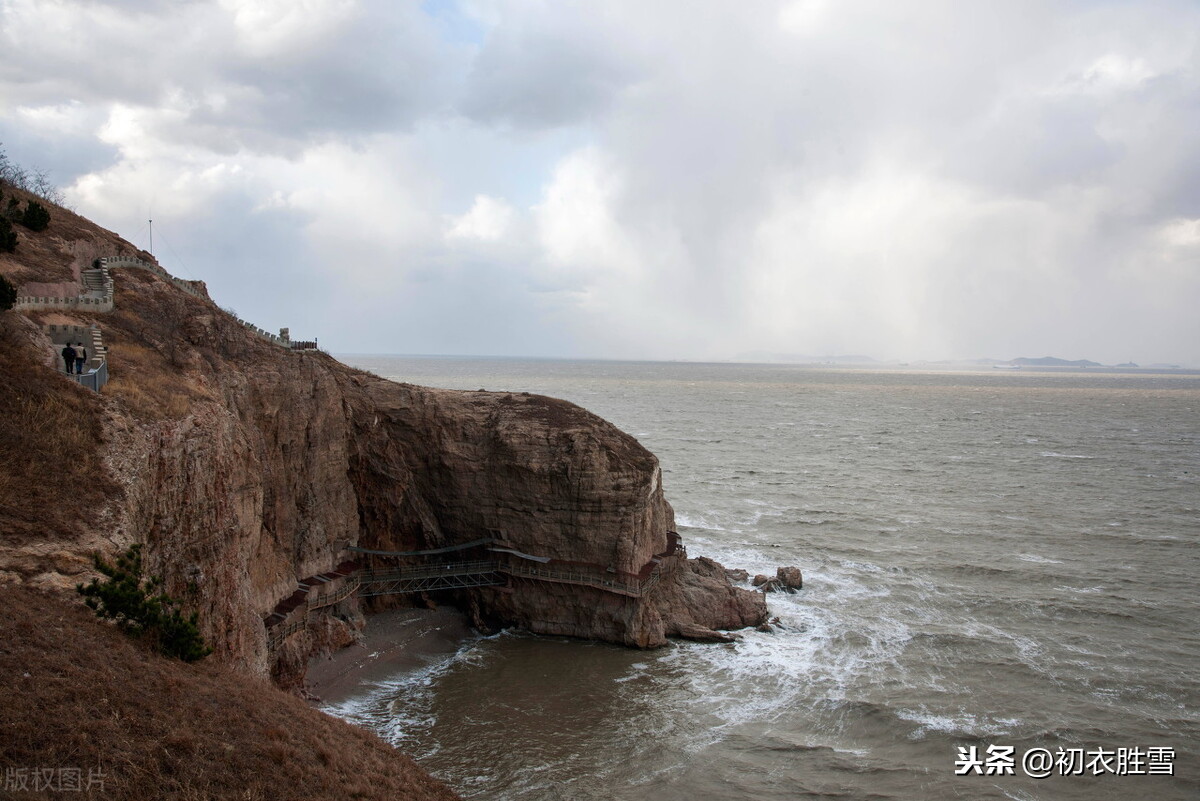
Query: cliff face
[
  {"x": 543, "y": 477},
  {"x": 247, "y": 467}
]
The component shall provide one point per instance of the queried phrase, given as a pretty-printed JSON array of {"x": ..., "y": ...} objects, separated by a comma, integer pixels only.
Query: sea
[{"x": 1000, "y": 595}]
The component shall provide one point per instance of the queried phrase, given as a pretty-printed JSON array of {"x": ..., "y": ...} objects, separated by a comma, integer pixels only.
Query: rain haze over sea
[{"x": 990, "y": 559}]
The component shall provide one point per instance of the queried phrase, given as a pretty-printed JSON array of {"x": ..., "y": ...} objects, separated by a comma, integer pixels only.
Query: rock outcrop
[
  {"x": 786, "y": 579},
  {"x": 246, "y": 467}
]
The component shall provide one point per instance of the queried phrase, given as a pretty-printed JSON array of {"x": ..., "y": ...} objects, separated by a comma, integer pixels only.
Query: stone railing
[
  {"x": 78, "y": 303},
  {"x": 267, "y": 335},
  {"x": 195, "y": 288},
  {"x": 96, "y": 297}
]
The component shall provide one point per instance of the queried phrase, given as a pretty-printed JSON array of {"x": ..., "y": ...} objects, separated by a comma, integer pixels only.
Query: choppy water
[{"x": 989, "y": 559}]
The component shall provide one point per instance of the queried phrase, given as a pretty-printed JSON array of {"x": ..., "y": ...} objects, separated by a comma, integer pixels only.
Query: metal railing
[
  {"x": 93, "y": 379},
  {"x": 463, "y": 575},
  {"x": 446, "y": 576},
  {"x": 580, "y": 576}
]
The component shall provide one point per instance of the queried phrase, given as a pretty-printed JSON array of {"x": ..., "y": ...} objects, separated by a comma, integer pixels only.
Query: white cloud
[
  {"x": 269, "y": 28},
  {"x": 488, "y": 220}
]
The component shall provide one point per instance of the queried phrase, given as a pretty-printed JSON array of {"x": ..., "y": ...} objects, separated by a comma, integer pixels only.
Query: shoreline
[{"x": 394, "y": 642}]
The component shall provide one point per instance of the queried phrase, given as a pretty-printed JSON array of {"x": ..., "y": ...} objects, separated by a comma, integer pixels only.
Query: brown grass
[
  {"x": 50, "y": 443},
  {"x": 48, "y": 256},
  {"x": 80, "y": 694},
  {"x": 150, "y": 387}
]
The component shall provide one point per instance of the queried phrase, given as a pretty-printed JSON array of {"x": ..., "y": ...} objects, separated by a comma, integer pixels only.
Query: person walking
[
  {"x": 80, "y": 358},
  {"x": 68, "y": 354}
]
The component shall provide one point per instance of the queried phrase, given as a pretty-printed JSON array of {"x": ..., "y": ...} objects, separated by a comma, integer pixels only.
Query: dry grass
[
  {"x": 80, "y": 694},
  {"x": 150, "y": 387},
  {"x": 50, "y": 443},
  {"x": 48, "y": 256}
]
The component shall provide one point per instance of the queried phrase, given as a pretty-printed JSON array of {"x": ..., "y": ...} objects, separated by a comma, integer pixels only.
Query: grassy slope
[{"x": 78, "y": 693}]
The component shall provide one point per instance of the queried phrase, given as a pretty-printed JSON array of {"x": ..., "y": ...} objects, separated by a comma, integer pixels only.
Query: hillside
[
  {"x": 81, "y": 694},
  {"x": 252, "y": 473},
  {"x": 137, "y": 725}
]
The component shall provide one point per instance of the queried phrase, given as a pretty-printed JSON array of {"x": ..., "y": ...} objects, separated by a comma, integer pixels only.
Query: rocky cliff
[{"x": 246, "y": 467}]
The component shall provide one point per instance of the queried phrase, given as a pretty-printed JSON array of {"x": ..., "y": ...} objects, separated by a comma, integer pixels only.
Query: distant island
[
  {"x": 1053, "y": 361},
  {"x": 859, "y": 360}
]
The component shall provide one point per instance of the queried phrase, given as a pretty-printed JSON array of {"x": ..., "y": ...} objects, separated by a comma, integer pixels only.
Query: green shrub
[
  {"x": 36, "y": 217},
  {"x": 8, "y": 237},
  {"x": 8, "y": 294},
  {"x": 133, "y": 604}
]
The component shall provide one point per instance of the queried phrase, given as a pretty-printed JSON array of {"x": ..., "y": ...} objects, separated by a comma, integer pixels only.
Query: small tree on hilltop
[
  {"x": 132, "y": 602},
  {"x": 8, "y": 294},
  {"x": 36, "y": 217}
]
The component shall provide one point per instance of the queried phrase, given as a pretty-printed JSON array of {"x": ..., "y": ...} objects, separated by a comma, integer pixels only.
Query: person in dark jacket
[
  {"x": 68, "y": 354},
  {"x": 80, "y": 358}
]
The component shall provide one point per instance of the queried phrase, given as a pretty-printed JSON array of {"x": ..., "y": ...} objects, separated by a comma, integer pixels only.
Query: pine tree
[
  {"x": 8, "y": 237},
  {"x": 137, "y": 609},
  {"x": 8, "y": 294},
  {"x": 35, "y": 217}
]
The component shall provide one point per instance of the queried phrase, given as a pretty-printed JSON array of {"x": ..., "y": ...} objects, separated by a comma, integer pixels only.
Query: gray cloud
[
  {"x": 684, "y": 179},
  {"x": 260, "y": 76},
  {"x": 553, "y": 68}
]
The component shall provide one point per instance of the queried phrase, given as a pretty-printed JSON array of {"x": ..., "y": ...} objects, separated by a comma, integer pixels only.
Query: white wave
[
  {"x": 1032, "y": 557},
  {"x": 960, "y": 724},
  {"x": 1057, "y": 455},
  {"x": 822, "y": 649},
  {"x": 393, "y": 707}
]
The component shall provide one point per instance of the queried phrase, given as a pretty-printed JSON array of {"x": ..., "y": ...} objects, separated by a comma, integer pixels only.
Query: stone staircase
[
  {"x": 93, "y": 342},
  {"x": 97, "y": 295}
]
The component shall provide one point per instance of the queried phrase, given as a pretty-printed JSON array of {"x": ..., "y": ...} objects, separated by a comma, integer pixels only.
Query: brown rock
[
  {"x": 760, "y": 580},
  {"x": 701, "y": 594},
  {"x": 790, "y": 578},
  {"x": 736, "y": 574},
  {"x": 690, "y": 631}
]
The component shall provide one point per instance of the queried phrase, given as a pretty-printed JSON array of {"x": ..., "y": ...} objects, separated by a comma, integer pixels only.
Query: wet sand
[{"x": 394, "y": 642}]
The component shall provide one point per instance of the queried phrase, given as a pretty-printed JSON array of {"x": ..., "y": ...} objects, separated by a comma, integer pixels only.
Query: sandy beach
[{"x": 394, "y": 642}]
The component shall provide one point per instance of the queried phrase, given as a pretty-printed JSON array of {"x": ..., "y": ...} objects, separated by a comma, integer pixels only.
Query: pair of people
[{"x": 74, "y": 357}]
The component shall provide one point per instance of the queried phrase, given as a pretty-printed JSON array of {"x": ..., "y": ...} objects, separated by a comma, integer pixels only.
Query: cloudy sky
[{"x": 675, "y": 179}]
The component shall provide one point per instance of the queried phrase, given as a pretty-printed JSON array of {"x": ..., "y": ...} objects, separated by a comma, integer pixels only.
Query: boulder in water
[{"x": 790, "y": 578}]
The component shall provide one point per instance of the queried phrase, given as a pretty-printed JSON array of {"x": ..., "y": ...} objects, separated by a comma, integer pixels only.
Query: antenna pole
[{"x": 152, "y": 237}]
